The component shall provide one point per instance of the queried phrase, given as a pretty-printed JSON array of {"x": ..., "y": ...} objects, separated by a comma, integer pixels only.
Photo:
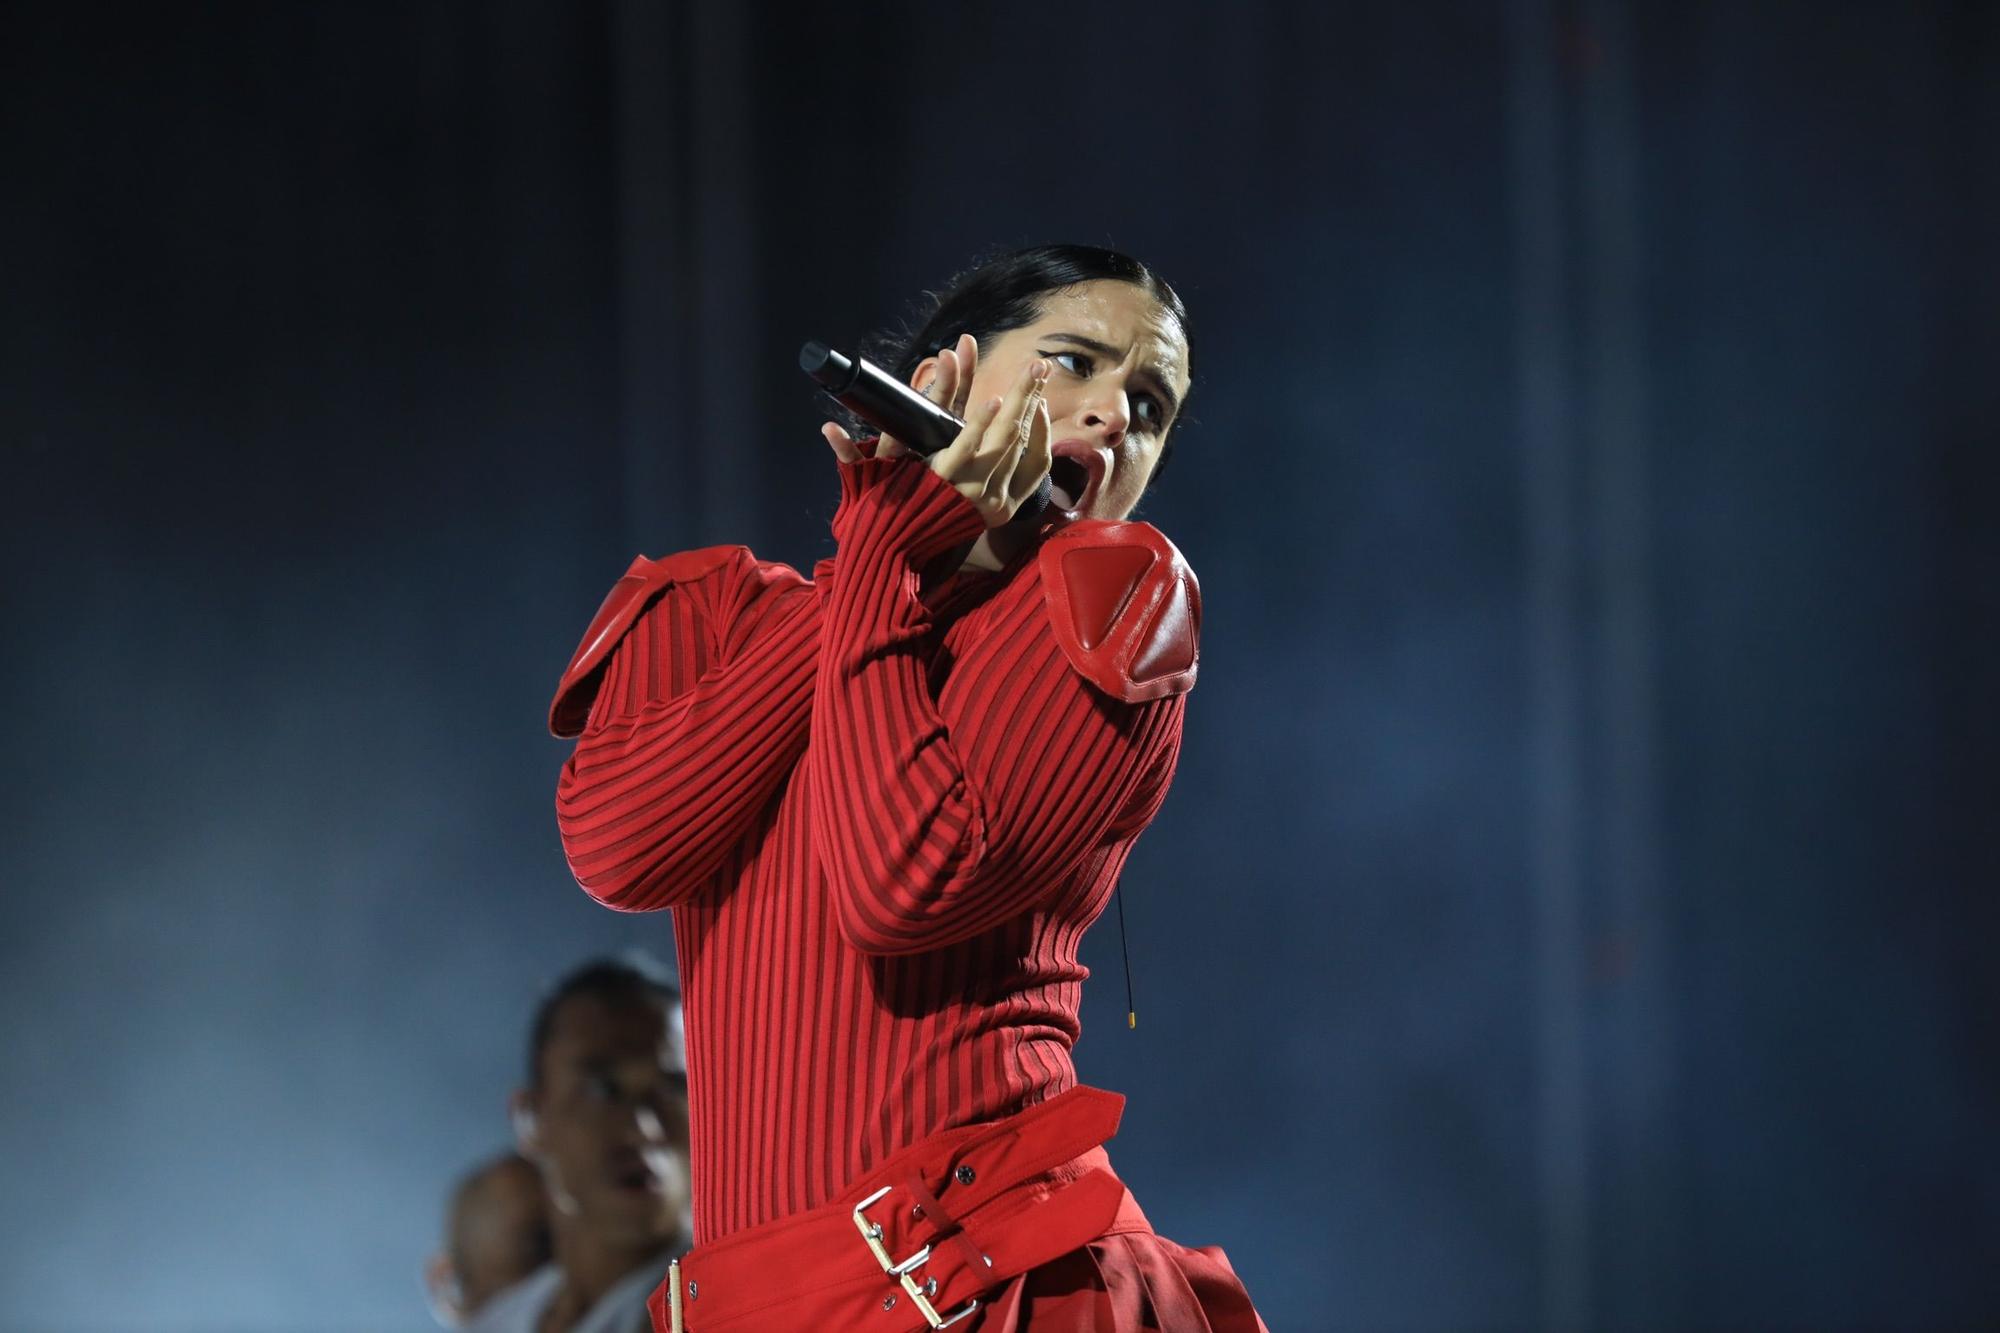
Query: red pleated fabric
[
  {"x": 1130, "y": 1282},
  {"x": 883, "y": 809}
]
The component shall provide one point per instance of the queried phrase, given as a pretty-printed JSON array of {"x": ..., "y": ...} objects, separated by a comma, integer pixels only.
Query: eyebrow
[{"x": 1111, "y": 353}]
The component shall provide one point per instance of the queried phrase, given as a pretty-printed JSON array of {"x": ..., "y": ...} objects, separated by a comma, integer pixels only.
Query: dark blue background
[{"x": 1576, "y": 905}]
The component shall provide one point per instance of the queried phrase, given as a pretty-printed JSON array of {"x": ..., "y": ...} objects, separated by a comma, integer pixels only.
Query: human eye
[
  {"x": 1082, "y": 366},
  {"x": 1151, "y": 411}
]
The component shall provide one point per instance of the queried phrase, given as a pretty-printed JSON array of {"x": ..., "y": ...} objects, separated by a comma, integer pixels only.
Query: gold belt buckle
[{"x": 920, "y": 1294}]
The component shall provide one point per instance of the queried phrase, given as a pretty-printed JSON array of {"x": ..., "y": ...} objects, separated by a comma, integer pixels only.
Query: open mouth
[
  {"x": 638, "y": 1182},
  {"x": 1068, "y": 481},
  {"x": 630, "y": 1171}
]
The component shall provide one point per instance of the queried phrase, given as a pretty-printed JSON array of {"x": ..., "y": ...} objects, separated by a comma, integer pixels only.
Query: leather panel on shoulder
[
  {"x": 632, "y": 594},
  {"x": 1125, "y": 608}
]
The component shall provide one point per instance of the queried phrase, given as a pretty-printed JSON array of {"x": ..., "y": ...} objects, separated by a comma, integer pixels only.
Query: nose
[{"x": 1108, "y": 410}]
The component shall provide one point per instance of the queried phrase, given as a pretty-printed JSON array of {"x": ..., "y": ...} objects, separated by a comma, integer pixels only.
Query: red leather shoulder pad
[
  {"x": 1125, "y": 607},
  {"x": 633, "y": 593}
]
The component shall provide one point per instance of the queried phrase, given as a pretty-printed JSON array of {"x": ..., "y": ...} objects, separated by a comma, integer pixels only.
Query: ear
[
  {"x": 926, "y": 371},
  {"x": 527, "y": 1128},
  {"x": 441, "y": 1284}
]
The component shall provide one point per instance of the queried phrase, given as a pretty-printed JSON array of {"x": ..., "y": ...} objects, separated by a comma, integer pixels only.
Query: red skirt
[{"x": 1127, "y": 1280}]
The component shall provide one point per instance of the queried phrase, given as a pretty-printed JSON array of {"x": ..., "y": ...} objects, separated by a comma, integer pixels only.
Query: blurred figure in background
[
  {"x": 496, "y": 1233},
  {"x": 604, "y": 1118}
]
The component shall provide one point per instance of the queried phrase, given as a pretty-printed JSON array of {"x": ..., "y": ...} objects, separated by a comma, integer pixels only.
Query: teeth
[{"x": 1062, "y": 498}]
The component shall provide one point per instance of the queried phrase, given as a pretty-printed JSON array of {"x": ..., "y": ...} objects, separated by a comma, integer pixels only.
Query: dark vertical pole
[
  {"x": 1554, "y": 760},
  {"x": 728, "y": 421},
  {"x": 659, "y": 457},
  {"x": 1635, "y": 1029}
]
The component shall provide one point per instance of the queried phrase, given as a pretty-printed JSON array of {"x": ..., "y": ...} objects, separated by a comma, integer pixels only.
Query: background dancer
[{"x": 603, "y": 1115}]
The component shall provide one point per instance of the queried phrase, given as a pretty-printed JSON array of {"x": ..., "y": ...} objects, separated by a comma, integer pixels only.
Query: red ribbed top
[{"x": 883, "y": 813}]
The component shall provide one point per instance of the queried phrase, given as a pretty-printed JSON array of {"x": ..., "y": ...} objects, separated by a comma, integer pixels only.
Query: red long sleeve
[
  {"x": 883, "y": 815},
  {"x": 702, "y": 711},
  {"x": 938, "y": 819}
]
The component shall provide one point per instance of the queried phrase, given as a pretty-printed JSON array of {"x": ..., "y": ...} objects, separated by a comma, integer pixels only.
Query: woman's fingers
[
  {"x": 951, "y": 460},
  {"x": 1005, "y": 437},
  {"x": 1006, "y": 442},
  {"x": 1035, "y": 458},
  {"x": 950, "y": 385},
  {"x": 844, "y": 447},
  {"x": 850, "y": 450},
  {"x": 1000, "y": 456},
  {"x": 967, "y": 363},
  {"x": 999, "y": 445},
  {"x": 998, "y": 436},
  {"x": 945, "y": 381}
]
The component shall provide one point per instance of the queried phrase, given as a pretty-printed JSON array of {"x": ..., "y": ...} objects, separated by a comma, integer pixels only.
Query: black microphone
[{"x": 890, "y": 405}]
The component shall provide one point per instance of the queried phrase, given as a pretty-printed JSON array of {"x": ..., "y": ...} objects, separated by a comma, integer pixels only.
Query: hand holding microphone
[{"x": 996, "y": 455}]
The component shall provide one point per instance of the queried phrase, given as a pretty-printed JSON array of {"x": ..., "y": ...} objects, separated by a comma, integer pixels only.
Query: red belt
[{"x": 919, "y": 1240}]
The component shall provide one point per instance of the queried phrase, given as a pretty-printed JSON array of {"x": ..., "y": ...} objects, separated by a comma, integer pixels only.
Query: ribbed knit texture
[{"x": 883, "y": 817}]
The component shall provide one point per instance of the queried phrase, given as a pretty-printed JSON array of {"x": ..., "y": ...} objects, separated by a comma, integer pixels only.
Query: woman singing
[{"x": 884, "y": 804}]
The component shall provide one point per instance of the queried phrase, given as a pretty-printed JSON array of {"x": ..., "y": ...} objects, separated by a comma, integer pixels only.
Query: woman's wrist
[{"x": 899, "y": 505}]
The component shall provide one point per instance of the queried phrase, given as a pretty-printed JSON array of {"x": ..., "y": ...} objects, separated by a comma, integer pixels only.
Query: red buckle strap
[{"x": 919, "y": 1240}]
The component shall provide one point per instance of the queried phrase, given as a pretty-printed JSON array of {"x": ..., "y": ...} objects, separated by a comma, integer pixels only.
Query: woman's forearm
[
  {"x": 941, "y": 817},
  {"x": 685, "y": 748}
]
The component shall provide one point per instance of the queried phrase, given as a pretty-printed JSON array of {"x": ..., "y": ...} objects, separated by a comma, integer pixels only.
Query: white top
[{"x": 621, "y": 1310}]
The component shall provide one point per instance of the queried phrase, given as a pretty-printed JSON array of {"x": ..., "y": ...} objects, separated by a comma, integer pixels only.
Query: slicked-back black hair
[
  {"x": 1008, "y": 291},
  {"x": 614, "y": 980}
]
